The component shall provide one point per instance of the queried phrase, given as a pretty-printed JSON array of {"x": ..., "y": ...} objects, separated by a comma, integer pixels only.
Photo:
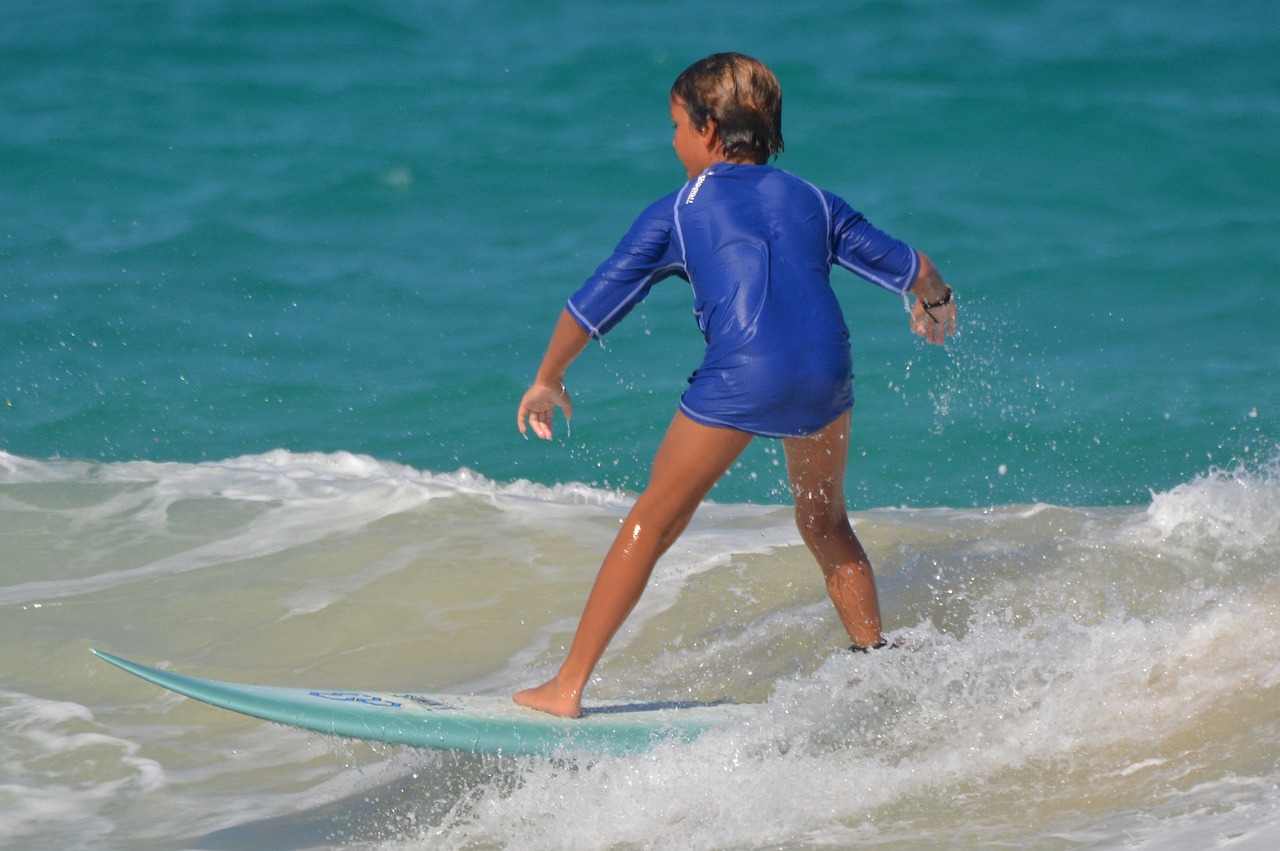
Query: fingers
[
  {"x": 538, "y": 420},
  {"x": 537, "y": 410},
  {"x": 935, "y": 324}
]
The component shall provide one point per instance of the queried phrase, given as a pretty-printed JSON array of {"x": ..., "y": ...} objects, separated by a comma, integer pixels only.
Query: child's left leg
[
  {"x": 816, "y": 465},
  {"x": 690, "y": 460}
]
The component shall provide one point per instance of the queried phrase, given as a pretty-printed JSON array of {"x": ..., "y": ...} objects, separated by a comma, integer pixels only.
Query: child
[{"x": 757, "y": 245}]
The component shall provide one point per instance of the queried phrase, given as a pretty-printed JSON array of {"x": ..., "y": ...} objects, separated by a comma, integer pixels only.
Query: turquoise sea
[{"x": 273, "y": 276}]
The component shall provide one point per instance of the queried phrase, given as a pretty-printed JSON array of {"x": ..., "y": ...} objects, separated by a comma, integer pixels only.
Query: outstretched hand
[
  {"x": 933, "y": 316},
  {"x": 538, "y": 408},
  {"x": 935, "y": 324}
]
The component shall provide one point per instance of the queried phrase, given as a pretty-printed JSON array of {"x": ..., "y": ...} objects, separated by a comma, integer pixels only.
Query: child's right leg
[{"x": 816, "y": 466}]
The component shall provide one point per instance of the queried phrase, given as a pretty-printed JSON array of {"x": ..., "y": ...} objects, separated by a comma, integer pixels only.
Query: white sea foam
[
  {"x": 64, "y": 773},
  {"x": 1077, "y": 722},
  {"x": 1087, "y": 674},
  {"x": 271, "y": 503},
  {"x": 1223, "y": 513}
]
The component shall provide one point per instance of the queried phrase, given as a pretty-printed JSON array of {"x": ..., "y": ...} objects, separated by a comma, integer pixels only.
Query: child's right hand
[
  {"x": 934, "y": 314},
  {"x": 538, "y": 408},
  {"x": 934, "y": 324}
]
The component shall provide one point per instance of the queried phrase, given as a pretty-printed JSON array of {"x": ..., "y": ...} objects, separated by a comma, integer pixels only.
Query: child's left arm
[{"x": 540, "y": 401}]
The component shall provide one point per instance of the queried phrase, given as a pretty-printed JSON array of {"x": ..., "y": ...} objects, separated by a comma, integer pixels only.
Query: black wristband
[{"x": 945, "y": 300}]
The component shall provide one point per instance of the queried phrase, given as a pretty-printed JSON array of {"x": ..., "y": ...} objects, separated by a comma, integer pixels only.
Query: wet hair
[{"x": 742, "y": 96}]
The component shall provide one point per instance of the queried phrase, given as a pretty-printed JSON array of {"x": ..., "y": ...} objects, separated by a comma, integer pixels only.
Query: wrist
[
  {"x": 942, "y": 301},
  {"x": 556, "y": 384}
]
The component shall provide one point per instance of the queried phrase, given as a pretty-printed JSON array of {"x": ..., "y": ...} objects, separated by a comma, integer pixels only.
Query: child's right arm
[{"x": 538, "y": 406}]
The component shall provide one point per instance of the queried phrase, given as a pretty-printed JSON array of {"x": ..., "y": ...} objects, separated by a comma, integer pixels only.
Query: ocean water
[{"x": 273, "y": 277}]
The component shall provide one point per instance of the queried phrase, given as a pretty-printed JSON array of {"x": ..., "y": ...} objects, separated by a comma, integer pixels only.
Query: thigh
[
  {"x": 690, "y": 460},
  {"x": 816, "y": 465}
]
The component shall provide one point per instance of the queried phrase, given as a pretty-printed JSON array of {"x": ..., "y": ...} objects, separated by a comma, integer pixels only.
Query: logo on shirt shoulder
[{"x": 693, "y": 193}]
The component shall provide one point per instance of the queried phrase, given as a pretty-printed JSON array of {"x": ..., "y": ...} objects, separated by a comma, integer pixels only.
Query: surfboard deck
[{"x": 477, "y": 723}]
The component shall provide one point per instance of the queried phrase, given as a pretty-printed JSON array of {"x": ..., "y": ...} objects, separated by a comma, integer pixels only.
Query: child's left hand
[{"x": 538, "y": 408}]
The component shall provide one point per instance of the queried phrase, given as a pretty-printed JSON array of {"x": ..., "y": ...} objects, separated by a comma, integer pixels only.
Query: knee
[
  {"x": 820, "y": 520},
  {"x": 657, "y": 523}
]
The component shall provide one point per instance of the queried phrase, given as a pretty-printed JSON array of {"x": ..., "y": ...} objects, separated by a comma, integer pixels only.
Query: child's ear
[{"x": 709, "y": 135}]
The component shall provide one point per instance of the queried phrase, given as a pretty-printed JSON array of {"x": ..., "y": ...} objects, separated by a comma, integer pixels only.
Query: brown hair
[{"x": 742, "y": 96}]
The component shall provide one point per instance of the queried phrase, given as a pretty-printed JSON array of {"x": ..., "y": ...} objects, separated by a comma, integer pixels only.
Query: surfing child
[{"x": 757, "y": 245}]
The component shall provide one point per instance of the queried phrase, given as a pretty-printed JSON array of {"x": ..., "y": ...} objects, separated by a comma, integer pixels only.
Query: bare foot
[
  {"x": 879, "y": 645},
  {"x": 553, "y": 698}
]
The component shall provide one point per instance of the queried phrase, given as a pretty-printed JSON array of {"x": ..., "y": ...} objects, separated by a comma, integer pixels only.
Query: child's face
[{"x": 696, "y": 149}]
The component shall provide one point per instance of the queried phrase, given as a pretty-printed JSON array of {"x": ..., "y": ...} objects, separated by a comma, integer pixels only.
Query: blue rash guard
[{"x": 757, "y": 245}]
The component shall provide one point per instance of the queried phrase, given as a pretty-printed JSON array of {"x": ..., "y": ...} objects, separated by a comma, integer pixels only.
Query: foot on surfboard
[{"x": 551, "y": 698}]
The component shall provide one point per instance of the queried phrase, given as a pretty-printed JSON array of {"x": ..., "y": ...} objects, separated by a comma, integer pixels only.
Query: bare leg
[
  {"x": 816, "y": 465},
  {"x": 690, "y": 460}
]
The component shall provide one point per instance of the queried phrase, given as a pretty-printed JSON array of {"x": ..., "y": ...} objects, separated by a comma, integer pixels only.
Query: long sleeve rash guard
[{"x": 757, "y": 245}]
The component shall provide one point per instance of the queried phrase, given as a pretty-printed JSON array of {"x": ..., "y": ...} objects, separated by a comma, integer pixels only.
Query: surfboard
[{"x": 477, "y": 723}]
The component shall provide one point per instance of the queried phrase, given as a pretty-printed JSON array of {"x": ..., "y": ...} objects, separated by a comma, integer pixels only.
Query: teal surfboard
[{"x": 479, "y": 723}]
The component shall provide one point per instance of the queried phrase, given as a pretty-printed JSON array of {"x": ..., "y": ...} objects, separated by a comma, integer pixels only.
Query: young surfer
[{"x": 757, "y": 245}]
